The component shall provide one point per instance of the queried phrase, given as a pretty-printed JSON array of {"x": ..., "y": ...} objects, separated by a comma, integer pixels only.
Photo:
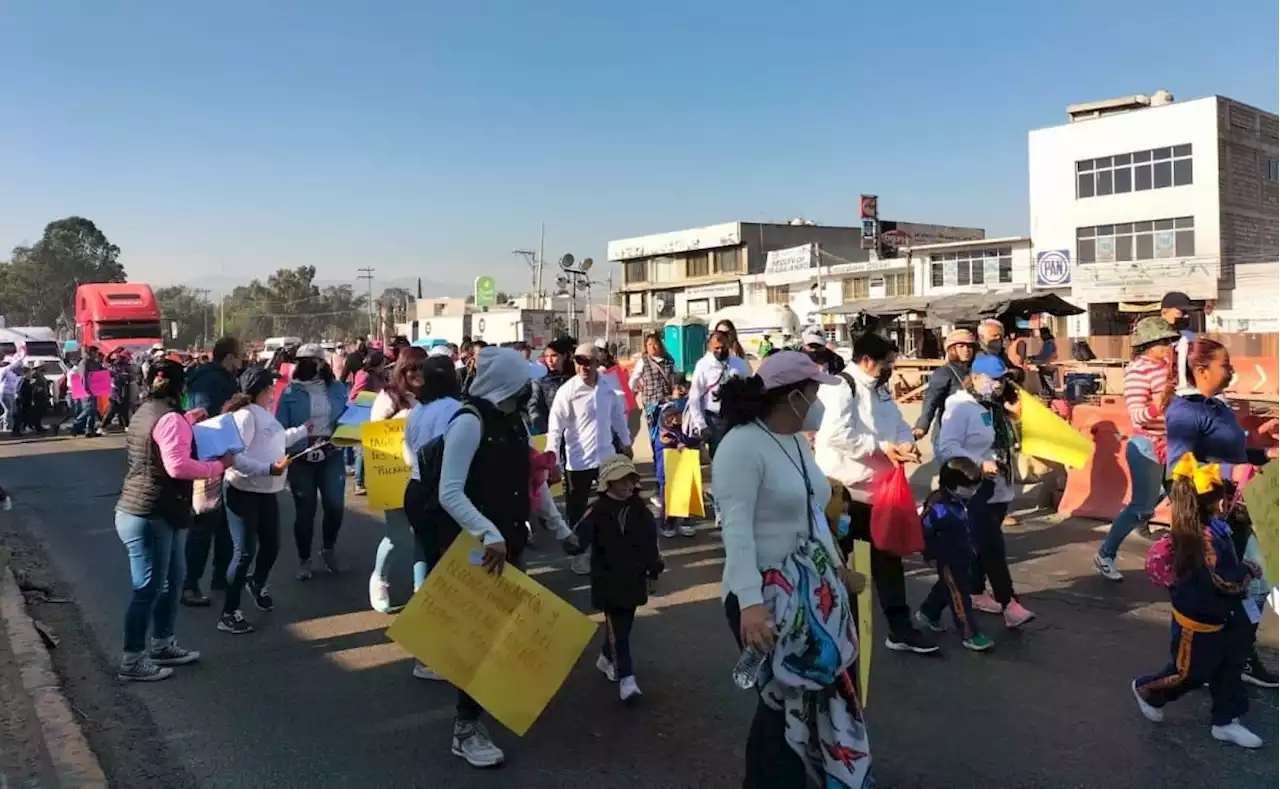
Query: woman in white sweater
[
  {"x": 249, "y": 488},
  {"x": 977, "y": 426},
  {"x": 395, "y": 401},
  {"x": 778, "y": 547}
]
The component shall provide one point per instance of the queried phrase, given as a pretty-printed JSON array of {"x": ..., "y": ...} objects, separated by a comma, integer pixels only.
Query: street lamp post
[{"x": 573, "y": 279}]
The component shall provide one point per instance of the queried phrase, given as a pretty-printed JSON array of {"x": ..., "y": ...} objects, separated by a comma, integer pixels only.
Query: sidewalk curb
[{"x": 74, "y": 762}]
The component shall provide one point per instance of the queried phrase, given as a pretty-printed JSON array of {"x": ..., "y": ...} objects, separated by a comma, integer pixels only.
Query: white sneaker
[
  {"x": 581, "y": 564},
  {"x": 1107, "y": 568},
  {"x": 472, "y": 742},
  {"x": 420, "y": 671},
  {"x": 605, "y": 666},
  {"x": 379, "y": 594},
  {"x": 667, "y": 531},
  {"x": 1151, "y": 713},
  {"x": 1236, "y": 732},
  {"x": 628, "y": 690},
  {"x": 686, "y": 530}
]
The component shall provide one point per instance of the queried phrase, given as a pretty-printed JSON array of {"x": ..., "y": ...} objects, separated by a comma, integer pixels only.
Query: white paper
[{"x": 216, "y": 437}]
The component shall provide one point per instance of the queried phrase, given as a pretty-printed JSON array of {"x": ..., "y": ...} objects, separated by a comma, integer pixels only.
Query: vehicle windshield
[
  {"x": 129, "y": 330},
  {"x": 43, "y": 348},
  {"x": 51, "y": 367}
]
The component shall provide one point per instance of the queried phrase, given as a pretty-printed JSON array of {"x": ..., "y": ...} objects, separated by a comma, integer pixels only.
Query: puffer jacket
[{"x": 544, "y": 394}]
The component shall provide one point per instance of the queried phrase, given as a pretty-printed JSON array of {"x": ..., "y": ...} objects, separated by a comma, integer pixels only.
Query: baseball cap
[
  {"x": 785, "y": 368},
  {"x": 601, "y": 344},
  {"x": 1177, "y": 300},
  {"x": 585, "y": 349},
  {"x": 988, "y": 365},
  {"x": 256, "y": 380},
  {"x": 613, "y": 469},
  {"x": 960, "y": 337},
  {"x": 311, "y": 350},
  {"x": 813, "y": 338},
  {"x": 1153, "y": 329}
]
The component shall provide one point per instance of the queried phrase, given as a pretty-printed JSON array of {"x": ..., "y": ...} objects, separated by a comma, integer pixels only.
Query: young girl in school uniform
[{"x": 1213, "y": 615}]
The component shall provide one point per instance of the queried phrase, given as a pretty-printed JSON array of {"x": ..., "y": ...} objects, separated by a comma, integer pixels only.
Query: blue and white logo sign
[{"x": 1053, "y": 268}]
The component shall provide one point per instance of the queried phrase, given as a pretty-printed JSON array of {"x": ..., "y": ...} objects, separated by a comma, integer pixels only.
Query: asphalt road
[{"x": 319, "y": 696}]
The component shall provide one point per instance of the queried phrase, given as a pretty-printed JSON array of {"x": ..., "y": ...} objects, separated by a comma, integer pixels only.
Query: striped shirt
[{"x": 1144, "y": 383}]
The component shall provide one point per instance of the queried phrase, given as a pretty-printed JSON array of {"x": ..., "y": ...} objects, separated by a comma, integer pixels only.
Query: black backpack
[{"x": 426, "y": 497}]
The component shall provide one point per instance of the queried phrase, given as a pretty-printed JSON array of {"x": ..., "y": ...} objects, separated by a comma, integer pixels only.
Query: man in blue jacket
[{"x": 210, "y": 386}]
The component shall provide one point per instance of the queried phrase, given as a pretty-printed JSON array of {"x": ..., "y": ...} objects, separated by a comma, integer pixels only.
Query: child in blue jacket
[
  {"x": 1213, "y": 616},
  {"x": 671, "y": 435},
  {"x": 949, "y": 545}
]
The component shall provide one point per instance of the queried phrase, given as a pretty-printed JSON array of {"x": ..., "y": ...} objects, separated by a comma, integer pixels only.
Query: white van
[{"x": 274, "y": 344}]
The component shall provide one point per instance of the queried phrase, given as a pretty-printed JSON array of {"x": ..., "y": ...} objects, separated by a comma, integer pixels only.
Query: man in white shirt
[
  {"x": 862, "y": 437},
  {"x": 587, "y": 424},
  {"x": 702, "y": 414}
]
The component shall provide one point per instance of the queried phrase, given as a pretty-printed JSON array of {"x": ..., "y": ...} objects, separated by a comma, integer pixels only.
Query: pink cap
[{"x": 785, "y": 368}]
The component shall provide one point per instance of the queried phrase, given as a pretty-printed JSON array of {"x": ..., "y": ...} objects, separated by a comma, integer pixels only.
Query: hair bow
[{"x": 1205, "y": 476}]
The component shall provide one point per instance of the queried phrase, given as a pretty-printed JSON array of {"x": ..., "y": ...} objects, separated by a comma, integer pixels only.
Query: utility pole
[
  {"x": 203, "y": 293},
  {"x": 537, "y": 282},
  {"x": 367, "y": 274}
]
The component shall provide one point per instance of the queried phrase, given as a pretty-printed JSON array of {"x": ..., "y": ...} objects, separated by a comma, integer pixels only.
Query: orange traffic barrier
[{"x": 1255, "y": 375}]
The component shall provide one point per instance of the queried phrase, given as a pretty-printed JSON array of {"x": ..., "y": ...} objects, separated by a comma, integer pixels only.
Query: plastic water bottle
[{"x": 747, "y": 667}]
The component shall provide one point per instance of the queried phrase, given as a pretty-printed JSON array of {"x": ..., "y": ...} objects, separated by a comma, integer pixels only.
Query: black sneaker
[
  {"x": 1256, "y": 673},
  {"x": 193, "y": 599},
  {"x": 911, "y": 640},
  {"x": 261, "y": 597},
  {"x": 234, "y": 623}
]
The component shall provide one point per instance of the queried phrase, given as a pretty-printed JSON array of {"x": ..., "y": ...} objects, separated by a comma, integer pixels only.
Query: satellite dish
[
  {"x": 566, "y": 261},
  {"x": 586, "y": 265}
]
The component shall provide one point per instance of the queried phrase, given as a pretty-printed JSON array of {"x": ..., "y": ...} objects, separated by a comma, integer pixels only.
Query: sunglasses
[{"x": 583, "y": 360}]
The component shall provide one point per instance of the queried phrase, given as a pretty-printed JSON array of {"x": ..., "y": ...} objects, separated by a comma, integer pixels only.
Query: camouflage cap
[{"x": 1149, "y": 330}]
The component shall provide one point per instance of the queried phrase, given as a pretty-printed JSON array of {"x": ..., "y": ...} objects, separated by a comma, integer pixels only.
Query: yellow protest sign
[
  {"x": 1262, "y": 499},
  {"x": 505, "y": 640},
  {"x": 1048, "y": 436},
  {"x": 860, "y": 562},
  {"x": 682, "y": 469},
  {"x": 386, "y": 475},
  {"x": 540, "y": 444}
]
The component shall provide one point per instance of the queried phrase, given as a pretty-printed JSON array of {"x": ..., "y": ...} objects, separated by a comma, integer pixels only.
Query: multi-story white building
[
  {"x": 704, "y": 270},
  {"x": 1143, "y": 195}
]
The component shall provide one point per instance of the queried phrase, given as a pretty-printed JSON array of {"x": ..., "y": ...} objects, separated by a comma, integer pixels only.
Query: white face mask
[
  {"x": 964, "y": 494},
  {"x": 812, "y": 419}
]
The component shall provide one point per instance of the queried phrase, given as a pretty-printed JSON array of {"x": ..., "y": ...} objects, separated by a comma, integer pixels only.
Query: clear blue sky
[{"x": 430, "y": 139}]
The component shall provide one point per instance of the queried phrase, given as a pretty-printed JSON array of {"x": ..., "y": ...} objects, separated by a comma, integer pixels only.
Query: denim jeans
[
  {"x": 9, "y": 412},
  {"x": 86, "y": 420},
  {"x": 399, "y": 537},
  {"x": 986, "y": 531},
  {"x": 1147, "y": 475},
  {"x": 156, "y": 567},
  {"x": 359, "y": 472},
  {"x": 253, "y": 520},
  {"x": 326, "y": 481}
]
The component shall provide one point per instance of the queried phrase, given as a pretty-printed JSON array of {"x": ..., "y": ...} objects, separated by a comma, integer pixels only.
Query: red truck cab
[{"x": 115, "y": 315}]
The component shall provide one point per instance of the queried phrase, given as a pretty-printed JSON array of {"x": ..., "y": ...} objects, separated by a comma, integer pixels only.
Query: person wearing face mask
[
  {"x": 949, "y": 547},
  {"x": 587, "y": 424},
  {"x": 316, "y": 399},
  {"x": 779, "y": 552},
  {"x": 815, "y": 347},
  {"x": 861, "y": 436},
  {"x": 702, "y": 415},
  {"x": 484, "y": 490},
  {"x": 976, "y": 425}
]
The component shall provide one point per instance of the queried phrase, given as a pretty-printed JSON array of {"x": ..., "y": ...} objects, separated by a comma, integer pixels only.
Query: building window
[
  {"x": 854, "y": 289},
  {"x": 664, "y": 269},
  {"x": 778, "y": 294},
  {"x": 1134, "y": 172},
  {"x": 1271, "y": 170},
  {"x": 972, "y": 267},
  {"x": 729, "y": 261},
  {"x": 696, "y": 264},
  {"x": 664, "y": 304},
  {"x": 1157, "y": 239},
  {"x": 699, "y": 307},
  {"x": 636, "y": 305},
  {"x": 899, "y": 285},
  {"x": 633, "y": 271},
  {"x": 437, "y": 310},
  {"x": 728, "y": 301}
]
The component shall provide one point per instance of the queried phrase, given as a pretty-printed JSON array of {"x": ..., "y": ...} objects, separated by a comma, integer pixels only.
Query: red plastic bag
[{"x": 895, "y": 522}]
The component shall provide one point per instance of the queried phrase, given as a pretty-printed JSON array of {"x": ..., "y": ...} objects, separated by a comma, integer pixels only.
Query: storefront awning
[
  {"x": 881, "y": 307},
  {"x": 962, "y": 308}
]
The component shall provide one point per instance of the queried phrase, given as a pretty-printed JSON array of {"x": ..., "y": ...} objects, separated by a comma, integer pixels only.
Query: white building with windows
[{"x": 1143, "y": 195}]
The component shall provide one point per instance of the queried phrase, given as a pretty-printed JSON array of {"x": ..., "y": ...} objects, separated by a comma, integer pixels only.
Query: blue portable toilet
[{"x": 686, "y": 340}]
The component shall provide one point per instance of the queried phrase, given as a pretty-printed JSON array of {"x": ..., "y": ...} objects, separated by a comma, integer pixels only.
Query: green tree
[
  {"x": 193, "y": 314},
  {"x": 38, "y": 284},
  {"x": 290, "y": 304}
]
